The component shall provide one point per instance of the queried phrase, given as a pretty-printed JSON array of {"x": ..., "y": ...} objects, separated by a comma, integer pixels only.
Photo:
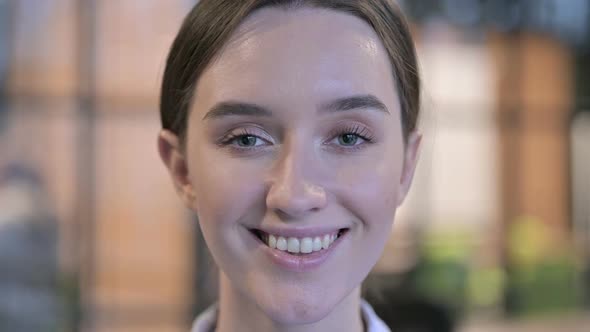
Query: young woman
[{"x": 289, "y": 128}]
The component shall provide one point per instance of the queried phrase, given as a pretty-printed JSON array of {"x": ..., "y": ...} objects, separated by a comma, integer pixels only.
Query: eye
[
  {"x": 245, "y": 139},
  {"x": 349, "y": 139},
  {"x": 248, "y": 141}
]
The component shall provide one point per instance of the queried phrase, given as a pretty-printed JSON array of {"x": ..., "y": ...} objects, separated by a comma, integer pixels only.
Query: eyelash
[
  {"x": 236, "y": 134},
  {"x": 357, "y": 130}
]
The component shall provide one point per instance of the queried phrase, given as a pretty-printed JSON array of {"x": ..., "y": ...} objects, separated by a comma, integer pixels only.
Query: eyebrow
[
  {"x": 354, "y": 103},
  {"x": 230, "y": 108},
  {"x": 233, "y": 108}
]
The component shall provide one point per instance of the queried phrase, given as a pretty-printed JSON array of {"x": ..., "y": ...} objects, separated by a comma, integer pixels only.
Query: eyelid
[
  {"x": 245, "y": 131},
  {"x": 355, "y": 128}
]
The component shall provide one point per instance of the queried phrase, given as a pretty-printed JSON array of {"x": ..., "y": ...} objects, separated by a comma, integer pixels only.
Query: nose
[{"x": 292, "y": 193}]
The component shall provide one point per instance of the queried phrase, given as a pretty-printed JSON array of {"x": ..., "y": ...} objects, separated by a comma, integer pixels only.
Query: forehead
[{"x": 278, "y": 56}]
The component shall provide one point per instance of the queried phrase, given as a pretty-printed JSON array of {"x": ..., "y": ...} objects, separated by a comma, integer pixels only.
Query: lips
[
  {"x": 298, "y": 250},
  {"x": 299, "y": 244}
]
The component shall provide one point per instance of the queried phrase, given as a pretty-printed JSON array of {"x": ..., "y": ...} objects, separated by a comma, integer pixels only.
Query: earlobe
[
  {"x": 174, "y": 159},
  {"x": 410, "y": 161}
]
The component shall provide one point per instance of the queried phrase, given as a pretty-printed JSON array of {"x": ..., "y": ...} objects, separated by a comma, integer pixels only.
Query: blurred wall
[{"x": 132, "y": 245}]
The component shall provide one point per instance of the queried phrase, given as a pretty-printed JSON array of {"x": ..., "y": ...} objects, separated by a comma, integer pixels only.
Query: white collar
[{"x": 205, "y": 322}]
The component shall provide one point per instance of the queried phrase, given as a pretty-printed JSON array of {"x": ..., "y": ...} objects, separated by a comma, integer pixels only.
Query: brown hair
[{"x": 210, "y": 24}]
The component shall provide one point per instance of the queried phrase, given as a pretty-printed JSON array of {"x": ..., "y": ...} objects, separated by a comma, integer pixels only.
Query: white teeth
[
  {"x": 281, "y": 243},
  {"x": 293, "y": 245},
  {"x": 306, "y": 245},
  {"x": 317, "y": 244},
  {"x": 272, "y": 241},
  {"x": 326, "y": 241}
]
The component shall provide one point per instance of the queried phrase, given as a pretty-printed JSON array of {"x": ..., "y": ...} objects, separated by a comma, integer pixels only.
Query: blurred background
[{"x": 495, "y": 235}]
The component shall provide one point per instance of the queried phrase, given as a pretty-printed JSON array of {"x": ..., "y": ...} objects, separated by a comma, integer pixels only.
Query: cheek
[
  {"x": 371, "y": 192},
  {"x": 227, "y": 190}
]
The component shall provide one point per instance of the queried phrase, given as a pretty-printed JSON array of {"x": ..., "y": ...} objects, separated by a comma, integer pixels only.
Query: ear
[
  {"x": 176, "y": 162},
  {"x": 410, "y": 160}
]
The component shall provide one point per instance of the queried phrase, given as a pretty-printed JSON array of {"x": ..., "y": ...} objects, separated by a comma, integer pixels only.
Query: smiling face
[{"x": 295, "y": 130}]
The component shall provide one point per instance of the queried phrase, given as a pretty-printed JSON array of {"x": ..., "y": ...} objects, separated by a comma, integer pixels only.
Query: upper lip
[{"x": 299, "y": 232}]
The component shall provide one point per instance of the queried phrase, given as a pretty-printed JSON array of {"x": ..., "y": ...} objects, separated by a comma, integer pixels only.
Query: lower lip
[{"x": 300, "y": 263}]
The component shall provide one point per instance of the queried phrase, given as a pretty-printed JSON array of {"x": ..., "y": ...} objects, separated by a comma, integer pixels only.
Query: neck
[{"x": 238, "y": 313}]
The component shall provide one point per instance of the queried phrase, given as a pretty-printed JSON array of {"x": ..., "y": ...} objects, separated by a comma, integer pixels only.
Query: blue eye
[
  {"x": 348, "y": 139},
  {"x": 246, "y": 140},
  {"x": 351, "y": 137}
]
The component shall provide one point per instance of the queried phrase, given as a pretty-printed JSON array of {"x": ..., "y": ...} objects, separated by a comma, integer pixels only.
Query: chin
[
  {"x": 297, "y": 313},
  {"x": 298, "y": 306}
]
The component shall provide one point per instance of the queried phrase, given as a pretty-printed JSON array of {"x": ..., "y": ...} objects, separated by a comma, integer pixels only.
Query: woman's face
[{"x": 295, "y": 132}]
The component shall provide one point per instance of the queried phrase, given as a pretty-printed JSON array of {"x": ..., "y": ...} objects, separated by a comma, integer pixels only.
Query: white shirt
[{"x": 205, "y": 322}]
